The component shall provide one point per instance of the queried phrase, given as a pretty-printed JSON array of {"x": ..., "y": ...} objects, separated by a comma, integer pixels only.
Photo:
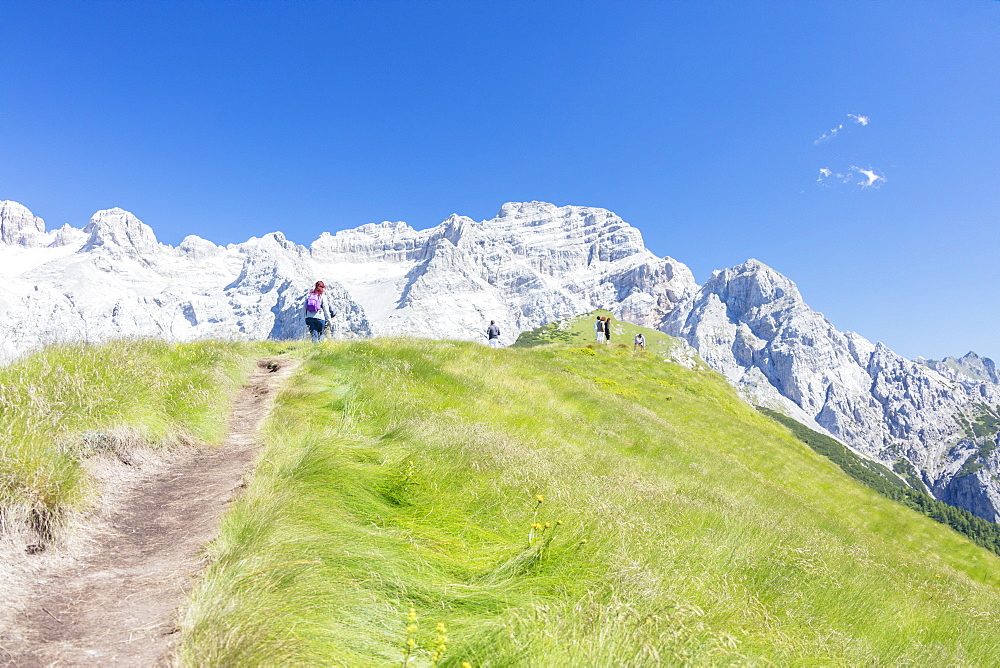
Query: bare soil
[{"x": 111, "y": 596}]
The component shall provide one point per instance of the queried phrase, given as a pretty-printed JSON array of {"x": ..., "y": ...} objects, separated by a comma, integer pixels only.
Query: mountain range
[{"x": 934, "y": 422}]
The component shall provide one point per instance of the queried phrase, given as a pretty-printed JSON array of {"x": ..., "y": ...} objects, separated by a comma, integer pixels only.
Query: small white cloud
[
  {"x": 871, "y": 179},
  {"x": 866, "y": 178},
  {"x": 832, "y": 132},
  {"x": 827, "y": 173},
  {"x": 829, "y": 134}
]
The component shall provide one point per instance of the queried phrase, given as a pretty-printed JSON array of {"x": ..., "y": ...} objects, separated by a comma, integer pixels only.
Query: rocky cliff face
[
  {"x": 532, "y": 264},
  {"x": 751, "y": 324}
]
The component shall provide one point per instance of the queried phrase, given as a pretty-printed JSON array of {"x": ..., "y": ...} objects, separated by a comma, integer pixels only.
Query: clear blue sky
[{"x": 704, "y": 124}]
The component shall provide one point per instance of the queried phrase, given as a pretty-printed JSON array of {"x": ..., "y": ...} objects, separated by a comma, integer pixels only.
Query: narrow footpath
[{"x": 117, "y": 604}]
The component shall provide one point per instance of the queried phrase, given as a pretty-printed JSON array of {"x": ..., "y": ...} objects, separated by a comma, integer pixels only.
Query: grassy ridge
[
  {"x": 579, "y": 330},
  {"x": 68, "y": 402},
  {"x": 683, "y": 526}
]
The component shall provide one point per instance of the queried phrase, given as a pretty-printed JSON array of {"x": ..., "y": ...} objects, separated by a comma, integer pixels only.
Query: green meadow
[
  {"x": 440, "y": 503},
  {"x": 66, "y": 403}
]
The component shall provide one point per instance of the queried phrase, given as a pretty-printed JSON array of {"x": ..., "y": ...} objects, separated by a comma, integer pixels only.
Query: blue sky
[{"x": 704, "y": 124}]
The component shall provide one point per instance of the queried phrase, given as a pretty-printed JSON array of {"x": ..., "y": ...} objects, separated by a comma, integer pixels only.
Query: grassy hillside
[
  {"x": 579, "y": 330},
  {"x": 444, "y": 503},
  {"x": 66, "y": 403}
]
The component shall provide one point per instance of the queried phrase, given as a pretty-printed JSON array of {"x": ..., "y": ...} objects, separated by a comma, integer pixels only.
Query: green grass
[
  {"x": 69, "y": 402},
  {"x": 983, "y": 426},
  {"x": 579, "y": 330},
  {"x": 405, "y": 473}
]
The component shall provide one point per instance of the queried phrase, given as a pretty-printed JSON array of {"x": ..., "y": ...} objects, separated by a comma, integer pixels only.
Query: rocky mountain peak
[
  {"x": 67, "y": 235},
  {"x": 17, "y": 224},
  {"x": 454, "y": 227},
  {"x": 572, "y": 219},
  {"x": 527, "y": 210},
  {"x": 198, "y": 248},
  {"x": 968, "y": 368},
  {"x": 119, "y": 229},
  {"x": 748, "y": 288},
  {"x": 390, "y": 241},
  {"x": 595, "y": 236}
]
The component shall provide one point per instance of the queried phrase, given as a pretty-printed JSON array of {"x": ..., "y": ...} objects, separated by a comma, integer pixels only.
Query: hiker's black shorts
[{"x": 315, "y": 325}]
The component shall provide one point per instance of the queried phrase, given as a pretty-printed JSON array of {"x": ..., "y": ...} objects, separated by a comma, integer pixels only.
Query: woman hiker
[
  {"x": 599, "y": 329},
  {"x": 318, "y": 311}
]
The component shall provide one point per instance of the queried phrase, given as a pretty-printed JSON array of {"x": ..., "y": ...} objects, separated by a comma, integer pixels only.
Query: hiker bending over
[
  {"x": 639, "y": 343},
  {"x": 318, "y": 311},
  {"x": 493, "y": 334}
]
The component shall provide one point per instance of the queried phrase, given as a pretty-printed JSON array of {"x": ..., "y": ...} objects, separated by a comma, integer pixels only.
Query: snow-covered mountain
[{"x": 532, "y": 264}]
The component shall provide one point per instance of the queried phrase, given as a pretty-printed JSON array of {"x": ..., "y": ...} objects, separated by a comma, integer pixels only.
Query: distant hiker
[
  {"x": 318, "y": 311},
  {"x": 639, "y": 343},
  {"x": 493, "y": 334},
  {"x": 599, "y": 329},
  {"x": 607, "y": 330}
]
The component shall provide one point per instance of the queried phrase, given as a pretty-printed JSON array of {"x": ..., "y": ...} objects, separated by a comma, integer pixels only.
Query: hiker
[
  {"x": 607, "y": 330},
  {"x": 493, "y": 334},
  {"x": 599, "y": 329},
  {"x": 318, "y": 311},
  {"x": 639, "y": 343}
]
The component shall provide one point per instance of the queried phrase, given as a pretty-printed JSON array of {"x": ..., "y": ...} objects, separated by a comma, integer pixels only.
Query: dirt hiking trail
[{"x": 116, "y": 604}]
